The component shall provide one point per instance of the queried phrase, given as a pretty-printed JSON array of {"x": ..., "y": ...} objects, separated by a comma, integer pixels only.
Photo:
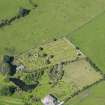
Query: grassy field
[
  {"x": 76, "y": 76},
  {"x": 92, "y": 96},
  {"x": 61, "y": 51},
  {"x": 50, "y": 19},
  {"x": 56, "y": 19},
  {"x": 80, "y": 74},
  {"x": 9, "y": 8},
  {"x": 10, "y": 101},
  {"x": 90, "y": 39}
]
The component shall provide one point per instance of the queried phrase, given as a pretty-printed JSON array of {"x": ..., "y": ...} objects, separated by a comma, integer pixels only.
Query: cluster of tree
[
  {"x": 22, "y": 85},
  {"x": 32, "y": 77},
  {"x": 7, "y": 66},
  {"x": 22, "y": 12},
  {"x": 6, "y": 89},
  {"x": 46, "y": 56},
  {"x": 95, "y": 66}
]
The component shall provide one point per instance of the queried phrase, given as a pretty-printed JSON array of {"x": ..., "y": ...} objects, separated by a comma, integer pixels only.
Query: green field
[
  {"x": 80, "y": 74},
  {"x": 77, "y": 74},
  {"x": 90, "y": 39},
  {"x": 92, "y": 96},
  {"x": 81, "y": 21},
  {"x": 10, "y": 101},
  {"x": 61, "y": 50},
  {"x": 50, "y": 19},
  {"x": 9, "y": 8}
]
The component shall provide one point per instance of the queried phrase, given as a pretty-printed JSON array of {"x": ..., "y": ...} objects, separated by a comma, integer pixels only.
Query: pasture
[
  {"x": 49, "y": 20},
  {"x": 80, "y": 74},
  {"x": 82, "y": 21},
  {"x": 9, "y": 8},
  {"x": 90, "y": 39},
  {"x": 77, "y": 74},
  {"x": 92, "y": 96},
  {"x": 6, "y": 100}
]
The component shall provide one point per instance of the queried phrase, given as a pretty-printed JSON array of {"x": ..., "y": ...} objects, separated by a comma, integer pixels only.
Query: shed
[{"x": 51, "y": 100}]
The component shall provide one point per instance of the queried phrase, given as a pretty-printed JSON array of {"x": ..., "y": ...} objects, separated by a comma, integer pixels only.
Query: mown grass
[
  {"x": 61, "y": 50},
  {"x": 91, "y": 40},
  {"x": 80, "y": 74},
  {"x": 50, "y": 19},
  {"x": 92, "y": 96},
  {"x": 9, "y": 8},
  {"x": 56, "y": 19},
  {"x": 6, "y": 100}
]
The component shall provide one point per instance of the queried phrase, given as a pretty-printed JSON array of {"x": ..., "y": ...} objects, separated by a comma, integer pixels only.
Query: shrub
[
  {"x": 6, "y": 89},
  {"x": 44, "y": 55},
  {"x": 41, "y": 48},
  {"x": 5, "y": 68},
  {"x": 23, "y": 12},
  {"x": 55, "y": 39}
]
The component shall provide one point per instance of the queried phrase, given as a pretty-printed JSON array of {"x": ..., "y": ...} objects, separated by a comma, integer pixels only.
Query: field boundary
[
  {"x": 80, "y": 27},
  {"x": 96, "y": 68}
]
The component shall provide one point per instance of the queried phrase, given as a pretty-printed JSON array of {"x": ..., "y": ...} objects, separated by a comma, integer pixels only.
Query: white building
[{"x": 51, "y": 100}]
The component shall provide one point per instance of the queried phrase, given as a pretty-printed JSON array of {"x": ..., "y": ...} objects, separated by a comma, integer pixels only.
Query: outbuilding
[{"x": 51, "y": 100}]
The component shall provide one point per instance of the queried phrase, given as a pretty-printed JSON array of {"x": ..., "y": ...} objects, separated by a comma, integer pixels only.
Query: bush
[
  {"x": 6, "y": 59},
  {"x": 5, "y": 68},
  {"x": 23, "y": 12},
  {"x": 30, "y": 78},
  {"x": 6, "y": 89},
  {"x": 44, "y": 55}
]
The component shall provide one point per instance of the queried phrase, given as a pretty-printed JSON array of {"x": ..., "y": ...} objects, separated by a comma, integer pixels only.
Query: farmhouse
[{"x": 51, "y": 100}]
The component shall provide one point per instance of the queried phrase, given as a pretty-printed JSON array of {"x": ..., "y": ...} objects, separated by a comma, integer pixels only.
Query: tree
[
  {"x": 6, "y": 89},
  {"x": 5, "y": 68},
  {"x": 23, "y": 12},
  {"x": 6, "y": 59}
]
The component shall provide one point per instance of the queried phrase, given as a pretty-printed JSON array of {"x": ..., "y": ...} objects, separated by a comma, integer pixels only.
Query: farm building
[{"x": 51, "y": 100}]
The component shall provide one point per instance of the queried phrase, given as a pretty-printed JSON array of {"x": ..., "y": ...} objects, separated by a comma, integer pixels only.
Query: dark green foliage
[
  {"x": 22, "y": 85},
  {"x": 23, "y": 12},
  {"x": 77, "y": 48},
  {"x": 6, "y": 89},
  {"x": 44, "y": 55},
  {"x": 48, "y": 61},
  {"x": 5, "y": 68},
  {"x": 41, "y": 48},
  {"x": 55, "y": 39},
  {"x": 51, "y": 56},
  {"x": 6, "y": 59},
  {"x": 35, "y": 5},
  {"x": 31, "y": 78}
]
